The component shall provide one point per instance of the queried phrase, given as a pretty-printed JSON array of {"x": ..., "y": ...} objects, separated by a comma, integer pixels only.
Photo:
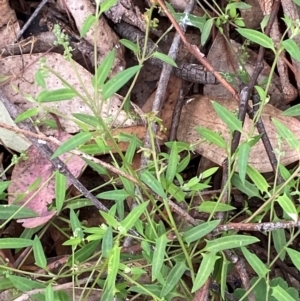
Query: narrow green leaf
[
  {"x": 76, "y": 225},
  {"x": 27, "y": 114},
  {"x": 95, "y": 149},
  {"x": 199, "y": 231},
  {"x": 224, "y": 274},
  {"x": 292, "y": 48},
  {"x": 106, "y": 5},
  {"x": 297, "y": 2},
  {"x": 60, "y": 190},
  {"x": 110, "y": 220},
  {"x": 288, "y": 206},
  {"x": 172, "y": 164},
  {"x": 25, "y": 284},
  {"x": 257, "y": 179},
  {"x": 209, "y": 206},
  {"x": 5, "y": 284},
  {"x": 7, "y": 211},
  {"x": 118, "y": 81},
  {"x": 98, "y": 168},
  {"x": 15, "y": 243},
  {"x": 118, "y": 195},
  {"x": 112, "y": 268},
  {"x": 163, "y": 57},
  {"x": 228, "y": 118},
  {"x": 212, "y": 137},
  {"x": 88, "y": 119},
  {"x": 4, "y": 185},
  {"x": 205, "y": 269},
  {"x": 229, "y": 242},
  {"x": 39, "y": 78},
  {"x": 49, "y": 293},
  {"x": 173, "y": 278},
  {"x": 152, "y": 182},
  {"x": 159, "y": 255},
  {"x": 238, "y": 5},
  {"x": 292, "y": 111},
  {"x": 56, "y": 95},
  {"x": 103, "y": 70},
  {"x": 247, "y": 188},
  {"x": 134, "y": 215},
  {"x": 38, "y": 252},
  {"x": 257, "y": 37},
  {"x": 279, "y": 240},
  {"x": 134, "y": 143},
  {"x": 295, "y": 257},
  {"x": 206, "y": 30},
  {"x": 183, "y": 163},
  {"x": 130, "y": 45},
  {"x": 256, "y": 264},
  {"x": 107, "y": 242},
  {"x": 85, "y": 252},
  {"x": 280, "y": 294},
  {"x": 191, "y": 20},
  {"x": 209, "y": 172},
  {"x": 72, "y": 143},
  {"x": 87, "y": 24},
  {"x": 243, "y": 153}
]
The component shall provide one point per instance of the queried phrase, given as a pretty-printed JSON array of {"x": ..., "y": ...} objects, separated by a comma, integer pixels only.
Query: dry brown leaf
[
  {"x": 200, "y": 112},
  {"x": 22, "y": 69},
  {"x": 26, "y": 172},
  {"x": 223, "y": 59}
]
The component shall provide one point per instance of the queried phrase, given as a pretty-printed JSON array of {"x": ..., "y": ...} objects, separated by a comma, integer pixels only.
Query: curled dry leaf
[
  {"x": 200, "y": 112},
  {"x": 26, "y": 172},
  {"x": 22, "y": 70},
  {"x": 105, "y": 38}
]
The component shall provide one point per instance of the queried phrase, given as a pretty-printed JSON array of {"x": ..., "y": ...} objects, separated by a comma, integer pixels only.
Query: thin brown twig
[{"x": 193, "y": 49}]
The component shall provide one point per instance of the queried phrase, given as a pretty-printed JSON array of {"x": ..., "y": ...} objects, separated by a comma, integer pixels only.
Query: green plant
[{"x": 169, "y": 248}]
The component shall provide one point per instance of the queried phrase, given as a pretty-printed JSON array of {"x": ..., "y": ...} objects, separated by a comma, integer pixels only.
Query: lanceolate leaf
[
  {"x": 153, "y": 183},
  {"x": 257, "y": 265},
  {"x": 159, "y": 255},
  {"x": 229, "y": 242},
  {"x": 72, "y": 143},
  {"x": 256, "y": 37},
  {"x": 199, "y": 231},
  {"x": 118, "y": 81},
  {"x": 15, "y": 243},
  {"x": 15, "y": 211},
  {"x": 212, "y": 136},
  {"x": 286, "y": 133},
  {"x": 56, "y": 95},
  {"x": 206, "y": 267},
  {"x": 173, "y": 278},
  {"x": 292, "y": 48},
  {"x": 103, "y": 70},
  {"x": 229, "y": 118},
  {"x": 288, "y": 206}
]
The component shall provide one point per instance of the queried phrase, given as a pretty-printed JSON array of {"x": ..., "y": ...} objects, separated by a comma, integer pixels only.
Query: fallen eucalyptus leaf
[{"x": 200, "y": 112}]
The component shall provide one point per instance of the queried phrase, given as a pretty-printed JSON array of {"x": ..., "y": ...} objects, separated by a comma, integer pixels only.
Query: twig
[
  {"x": 41, "y": 137},
  {"x": 34, "y": 14},
  {"x": 260, "y": 227},
  {"x": 26, "y": 296},
  {"x": 193, "y": 49},
  {"x": 164, "y": 79},
  {"x": 58, "y": 164}
]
